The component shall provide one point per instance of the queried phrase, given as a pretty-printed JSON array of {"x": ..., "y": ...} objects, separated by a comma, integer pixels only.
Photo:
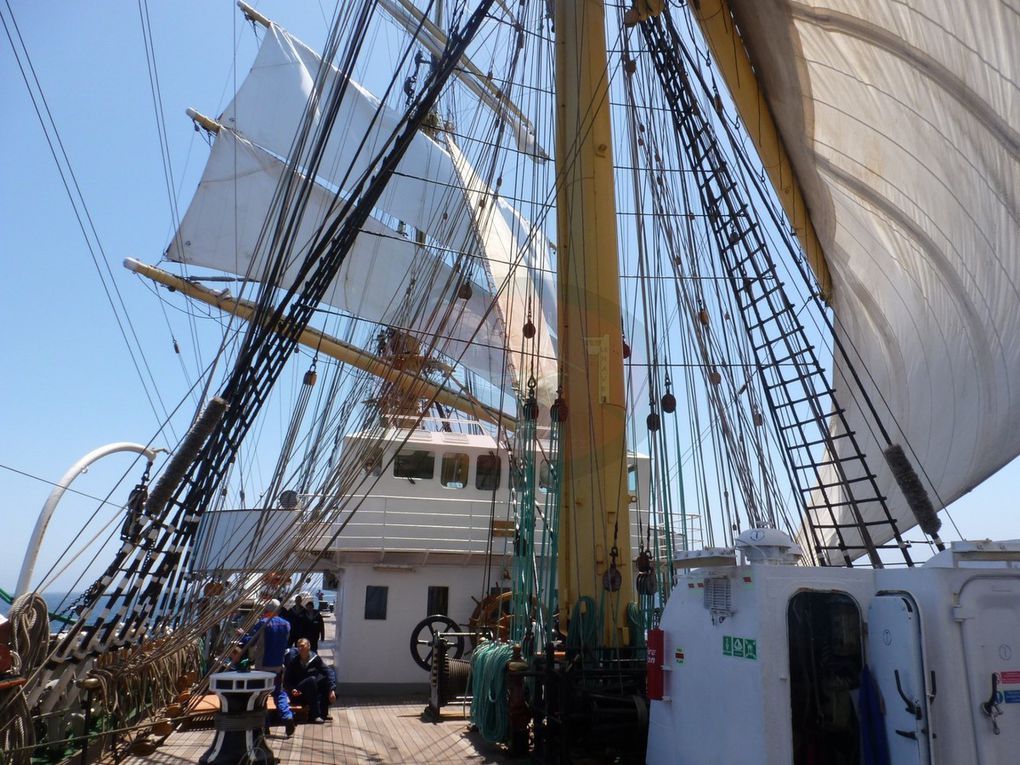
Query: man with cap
[{"x": 266, "y": 644}]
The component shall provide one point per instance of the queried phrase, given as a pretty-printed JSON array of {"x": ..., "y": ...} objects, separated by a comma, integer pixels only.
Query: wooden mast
[
  {"x": 593, "y": 490},
  {"x": 412, "y": 384}
]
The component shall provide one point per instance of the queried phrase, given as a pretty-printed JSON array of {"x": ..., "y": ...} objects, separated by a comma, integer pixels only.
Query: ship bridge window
[
  {"x": 487, "y": 472},
  {"x": 454, "y": 472},
  {"x": 419, "y": 464}
]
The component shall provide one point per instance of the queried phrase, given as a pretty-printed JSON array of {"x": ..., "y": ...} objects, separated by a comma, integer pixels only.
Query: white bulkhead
[{"x": 767, "y": 663}]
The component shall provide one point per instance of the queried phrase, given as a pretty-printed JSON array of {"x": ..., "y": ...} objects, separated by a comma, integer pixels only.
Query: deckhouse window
[
  {"x": 632, "y": 479},
  {"x": 454, "y": 474},
  {"x": 417, "y": 464},
  {"x": 375, "y": 601},
  {"x": 373, "y": 463},
  {"x": 488, "y": 471},
  {"x": 439, "y": 601}
]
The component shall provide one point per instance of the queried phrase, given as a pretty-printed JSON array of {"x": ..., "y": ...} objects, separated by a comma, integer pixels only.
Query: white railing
[{"x": 436, "y": 525}]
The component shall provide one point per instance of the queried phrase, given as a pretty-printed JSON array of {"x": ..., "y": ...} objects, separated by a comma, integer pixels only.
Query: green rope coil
[{"x": 490, "y": 709}]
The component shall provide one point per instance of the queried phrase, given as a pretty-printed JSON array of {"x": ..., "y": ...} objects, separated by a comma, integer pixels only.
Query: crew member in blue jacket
[
  {"x": 309, "y": 681},
  {"x": 265, "y": 645}
]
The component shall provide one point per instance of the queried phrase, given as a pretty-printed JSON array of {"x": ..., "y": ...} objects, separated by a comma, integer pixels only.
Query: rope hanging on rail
[{"x": 489, "y": 700}]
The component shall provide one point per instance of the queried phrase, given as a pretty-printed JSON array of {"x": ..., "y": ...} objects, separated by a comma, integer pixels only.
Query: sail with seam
[
  {"x": 223, "y": 227},
  {"x": 898, "y": 122}
]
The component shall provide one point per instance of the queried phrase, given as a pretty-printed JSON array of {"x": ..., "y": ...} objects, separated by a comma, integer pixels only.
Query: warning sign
[
  {"x": 679, "y": 655},
  {"x": 740, "y": 648},
  {"x": 1010, "y": 677}
]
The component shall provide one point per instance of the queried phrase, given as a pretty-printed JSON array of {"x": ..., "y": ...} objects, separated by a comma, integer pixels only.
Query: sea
[{"x": 59, "y": 603}]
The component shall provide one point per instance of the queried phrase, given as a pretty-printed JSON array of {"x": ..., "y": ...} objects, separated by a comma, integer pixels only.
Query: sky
[{"x": 69, "y": 384}]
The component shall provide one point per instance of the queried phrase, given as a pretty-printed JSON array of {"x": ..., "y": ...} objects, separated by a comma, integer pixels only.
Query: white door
[
  {"x": 896, "y": 660},
  {"x": 990, "y": 607}
]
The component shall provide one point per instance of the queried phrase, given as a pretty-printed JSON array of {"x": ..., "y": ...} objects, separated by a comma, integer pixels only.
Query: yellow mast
[
  {"x": 593, "y": 492},
  {"x": 330, "y": 346}
]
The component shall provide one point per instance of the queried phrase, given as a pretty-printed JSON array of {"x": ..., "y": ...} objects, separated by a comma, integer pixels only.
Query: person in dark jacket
[
  {"x": 287, "y": 614},
  {"x": 299, "y": 626},
  {"x": 315, "y": 626},
  {"x": 309, "y": 682}
]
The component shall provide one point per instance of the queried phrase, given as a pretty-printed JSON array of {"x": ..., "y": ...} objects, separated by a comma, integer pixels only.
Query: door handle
[
  {"x": 991, "y": 707},
  {"x": 912, "y": 706}
]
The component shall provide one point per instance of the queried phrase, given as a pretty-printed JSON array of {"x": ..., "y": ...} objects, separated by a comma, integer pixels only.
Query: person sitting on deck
[
  {"x": 309, "y": 681},
  {"x": 266, "y": 644}
]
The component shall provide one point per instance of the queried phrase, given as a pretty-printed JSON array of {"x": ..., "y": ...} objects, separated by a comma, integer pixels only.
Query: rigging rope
[{"x": 30, "y": 633}]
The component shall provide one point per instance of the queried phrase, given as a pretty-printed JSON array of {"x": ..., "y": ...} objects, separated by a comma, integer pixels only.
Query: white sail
[
  {"x": 517, "y": 261},
  {"x": 221, "y": 230},
  {"x": 902, "y": 123},
  {"x": 269, "y": 108}
]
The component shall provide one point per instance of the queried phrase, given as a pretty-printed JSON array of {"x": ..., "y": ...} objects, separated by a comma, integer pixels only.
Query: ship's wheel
[
  {"x": 423, "y": 636},
  {"x": 491, "y": 618}
]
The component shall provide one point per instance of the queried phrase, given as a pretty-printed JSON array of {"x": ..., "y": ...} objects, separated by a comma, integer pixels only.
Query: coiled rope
[
  {"x": 30, "y": 632},
  {"x": 489, "y": 703}
]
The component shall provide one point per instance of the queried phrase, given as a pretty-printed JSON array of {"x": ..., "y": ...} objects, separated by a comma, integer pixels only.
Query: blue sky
[{"x": 69, "y": 384}]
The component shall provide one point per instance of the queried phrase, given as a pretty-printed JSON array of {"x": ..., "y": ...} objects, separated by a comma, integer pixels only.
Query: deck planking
[{"x": 364, "y": 729}]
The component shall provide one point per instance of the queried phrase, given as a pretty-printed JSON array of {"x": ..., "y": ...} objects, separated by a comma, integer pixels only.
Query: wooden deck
[{"x": 363, "y": 730}]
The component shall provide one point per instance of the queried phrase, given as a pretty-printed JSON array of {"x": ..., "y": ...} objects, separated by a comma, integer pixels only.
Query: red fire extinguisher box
[{"x": 655, "y": 643}]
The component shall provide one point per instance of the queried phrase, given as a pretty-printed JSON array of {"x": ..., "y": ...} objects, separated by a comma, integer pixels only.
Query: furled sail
[
  {"x": 223, "y": 227},
  {"x": 901, "y": 123}
]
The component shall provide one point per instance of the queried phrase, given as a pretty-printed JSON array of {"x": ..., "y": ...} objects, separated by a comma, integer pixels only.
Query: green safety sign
[{"x": 738, "y": 647}]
